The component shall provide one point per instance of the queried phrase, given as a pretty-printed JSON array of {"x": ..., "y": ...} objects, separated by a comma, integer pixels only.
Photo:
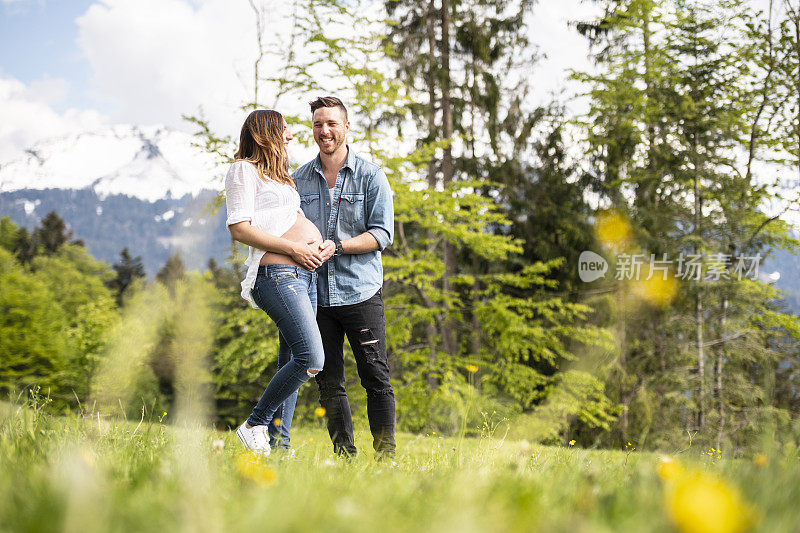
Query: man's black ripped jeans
[{"x": 364, "y": 325}]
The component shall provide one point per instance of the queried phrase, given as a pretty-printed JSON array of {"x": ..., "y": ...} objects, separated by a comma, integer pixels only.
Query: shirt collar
[
  {"x": 351, "y": 159},
  {"x": 349, "y": 163}
]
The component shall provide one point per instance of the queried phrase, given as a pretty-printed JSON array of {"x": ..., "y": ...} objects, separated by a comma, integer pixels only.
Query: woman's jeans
[{"x": 289, "y": 296}]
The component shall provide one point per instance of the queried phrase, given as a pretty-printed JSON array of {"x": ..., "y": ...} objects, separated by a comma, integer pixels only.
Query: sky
[{"x": 74, "y": 65}]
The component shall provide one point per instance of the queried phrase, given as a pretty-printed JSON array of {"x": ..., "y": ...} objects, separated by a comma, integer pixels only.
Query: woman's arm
[
  {"x": 307, "y": 256},
  {"x": 240, "y": 194}
]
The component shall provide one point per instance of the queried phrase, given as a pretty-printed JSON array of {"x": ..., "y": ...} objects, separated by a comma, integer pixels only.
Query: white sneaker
[{"x": 255, "y": 438}]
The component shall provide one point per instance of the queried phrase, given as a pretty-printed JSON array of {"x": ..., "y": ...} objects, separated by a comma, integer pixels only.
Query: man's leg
[
  {"x": 332, "y": 394},
  {"x": 365, "y": 327}
]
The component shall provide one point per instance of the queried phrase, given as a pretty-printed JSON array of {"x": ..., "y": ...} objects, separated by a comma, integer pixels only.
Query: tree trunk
[
  {"x": 448, "y": 250},
  {"x": 698, "y": 308},
  {"x": 623, "y": 365},
  {"x": 259, "y": 13},
  {"x": 649, "y": 185},
  {"x": 431, "y": 332},
  {"x": 797, "y": 82},
  {"x": 476, "y": 324},
  {"x": 718, "y": 374},
  {"x": 701, "y": 370}
]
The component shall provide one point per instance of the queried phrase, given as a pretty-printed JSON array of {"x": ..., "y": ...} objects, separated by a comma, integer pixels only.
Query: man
[{"x": 350, "y": 201}]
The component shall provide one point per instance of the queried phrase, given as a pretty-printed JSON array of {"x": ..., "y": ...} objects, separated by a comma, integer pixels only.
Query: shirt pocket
[
  {"x": 310, "y": 205},
  {"x": 351, "y": 208}
]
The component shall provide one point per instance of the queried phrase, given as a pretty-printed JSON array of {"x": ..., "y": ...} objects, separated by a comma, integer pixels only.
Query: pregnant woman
[{"x": 284, "y": 250}]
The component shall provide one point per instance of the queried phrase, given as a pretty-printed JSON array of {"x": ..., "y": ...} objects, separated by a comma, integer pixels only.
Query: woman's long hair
[{"x": 261, "y": 143}]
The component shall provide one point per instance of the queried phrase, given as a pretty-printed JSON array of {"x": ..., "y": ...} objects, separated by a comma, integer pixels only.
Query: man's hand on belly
[
  {"x": 307, "y": 255},
  {"x": 327, "y": 249}
]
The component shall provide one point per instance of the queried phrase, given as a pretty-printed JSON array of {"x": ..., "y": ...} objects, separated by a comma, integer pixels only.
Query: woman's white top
[{"x": 267, "y": 204}]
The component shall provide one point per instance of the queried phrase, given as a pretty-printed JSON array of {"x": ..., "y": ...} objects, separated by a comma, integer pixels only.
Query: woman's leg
[
  {"x": 284, "y": 292},
  {"x": 281, "y": 423}
]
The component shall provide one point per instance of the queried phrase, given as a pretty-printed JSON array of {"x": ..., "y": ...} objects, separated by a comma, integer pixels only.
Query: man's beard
[{"x": 336, "y": 142}]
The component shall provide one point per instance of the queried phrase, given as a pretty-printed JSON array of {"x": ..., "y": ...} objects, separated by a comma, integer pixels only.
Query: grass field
[{"x": 86, "y": 474}]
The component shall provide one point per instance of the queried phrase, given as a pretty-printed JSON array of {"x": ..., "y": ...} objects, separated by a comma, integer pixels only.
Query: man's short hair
[{"x": 327, "y": 101}]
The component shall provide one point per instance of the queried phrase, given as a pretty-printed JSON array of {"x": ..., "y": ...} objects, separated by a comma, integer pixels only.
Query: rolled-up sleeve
[
  {"x": 380, "y": 210},
  {"x": 240, "y": 195}
]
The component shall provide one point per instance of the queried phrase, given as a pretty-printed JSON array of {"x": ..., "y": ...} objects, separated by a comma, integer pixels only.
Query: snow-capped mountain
[
  {"x": 145, "y": 162},
  {"x": 145, "y": 188}
]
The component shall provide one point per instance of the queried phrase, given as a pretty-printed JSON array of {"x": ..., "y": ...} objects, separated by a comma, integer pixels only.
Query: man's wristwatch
[{"x": 339, "y": 250}]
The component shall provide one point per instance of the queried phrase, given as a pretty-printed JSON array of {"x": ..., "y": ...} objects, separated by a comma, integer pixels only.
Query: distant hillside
[
  {"x": 109, "y": 224},
  {"x": 788, "y": 265}
]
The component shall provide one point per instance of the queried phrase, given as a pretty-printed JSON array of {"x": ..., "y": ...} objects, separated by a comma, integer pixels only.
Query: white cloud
[
  {"x": 158, "y": 59},
  {"x": 27, "y": 115},
  {"x": 562, "y": 48},
  {"x": 155, "y": 60},
  {"x": 49, "y": 90}
]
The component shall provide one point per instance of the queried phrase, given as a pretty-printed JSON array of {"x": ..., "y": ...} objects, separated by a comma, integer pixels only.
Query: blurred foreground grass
[{"x": 88, "y": 474}]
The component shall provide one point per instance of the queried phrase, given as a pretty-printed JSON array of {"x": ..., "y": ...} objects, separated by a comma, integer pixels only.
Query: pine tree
[
  {"x": 674, "y": 101},
  {"x": 128, "y": 270},
  {"x": 25, "y": 246},
  {"x": 434, "y": 43},
  {"x": 172, "y": 271},
  {"x": 52, "y": 234}
]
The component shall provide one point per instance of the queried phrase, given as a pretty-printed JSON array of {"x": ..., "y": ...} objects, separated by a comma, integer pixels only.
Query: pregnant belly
[{"x": 303, "y": 230}]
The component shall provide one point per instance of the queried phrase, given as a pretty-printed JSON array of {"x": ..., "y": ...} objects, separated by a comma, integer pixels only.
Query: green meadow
[{"x": 85, "y": 474}]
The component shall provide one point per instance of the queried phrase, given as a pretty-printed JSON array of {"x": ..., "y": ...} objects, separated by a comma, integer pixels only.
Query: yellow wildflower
[
  {"x": 760, "y": 460},
  {"x": 277, "y": 421},
  {"x": 250, "y": 466},
  {"x": 669, "y": 469},
  {"x": 572, "y": 442},
  {"x": 320, "y": 412},
  {"x": 472, "y": 369},
  {"x": 701, "y": 503}
]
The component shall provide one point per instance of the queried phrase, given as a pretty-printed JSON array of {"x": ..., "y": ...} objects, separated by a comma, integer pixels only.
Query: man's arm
[
  {"x": 360, "y": 244},
  {"x": 380, "y": 218}
]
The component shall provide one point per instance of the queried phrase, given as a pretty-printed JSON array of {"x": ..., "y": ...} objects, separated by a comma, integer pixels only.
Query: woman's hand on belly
[
  {"x": 325, "y": 250},
  {"x": 307, "y": 255},
  {"x": 306, "y": 248}
]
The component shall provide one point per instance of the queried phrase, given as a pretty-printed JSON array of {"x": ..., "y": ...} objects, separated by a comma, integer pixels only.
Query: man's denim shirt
[{"x": 362, "y": 201}]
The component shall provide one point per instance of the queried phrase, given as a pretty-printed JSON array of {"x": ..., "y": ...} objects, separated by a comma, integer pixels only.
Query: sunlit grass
[{"x": 90, "y": 474}]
